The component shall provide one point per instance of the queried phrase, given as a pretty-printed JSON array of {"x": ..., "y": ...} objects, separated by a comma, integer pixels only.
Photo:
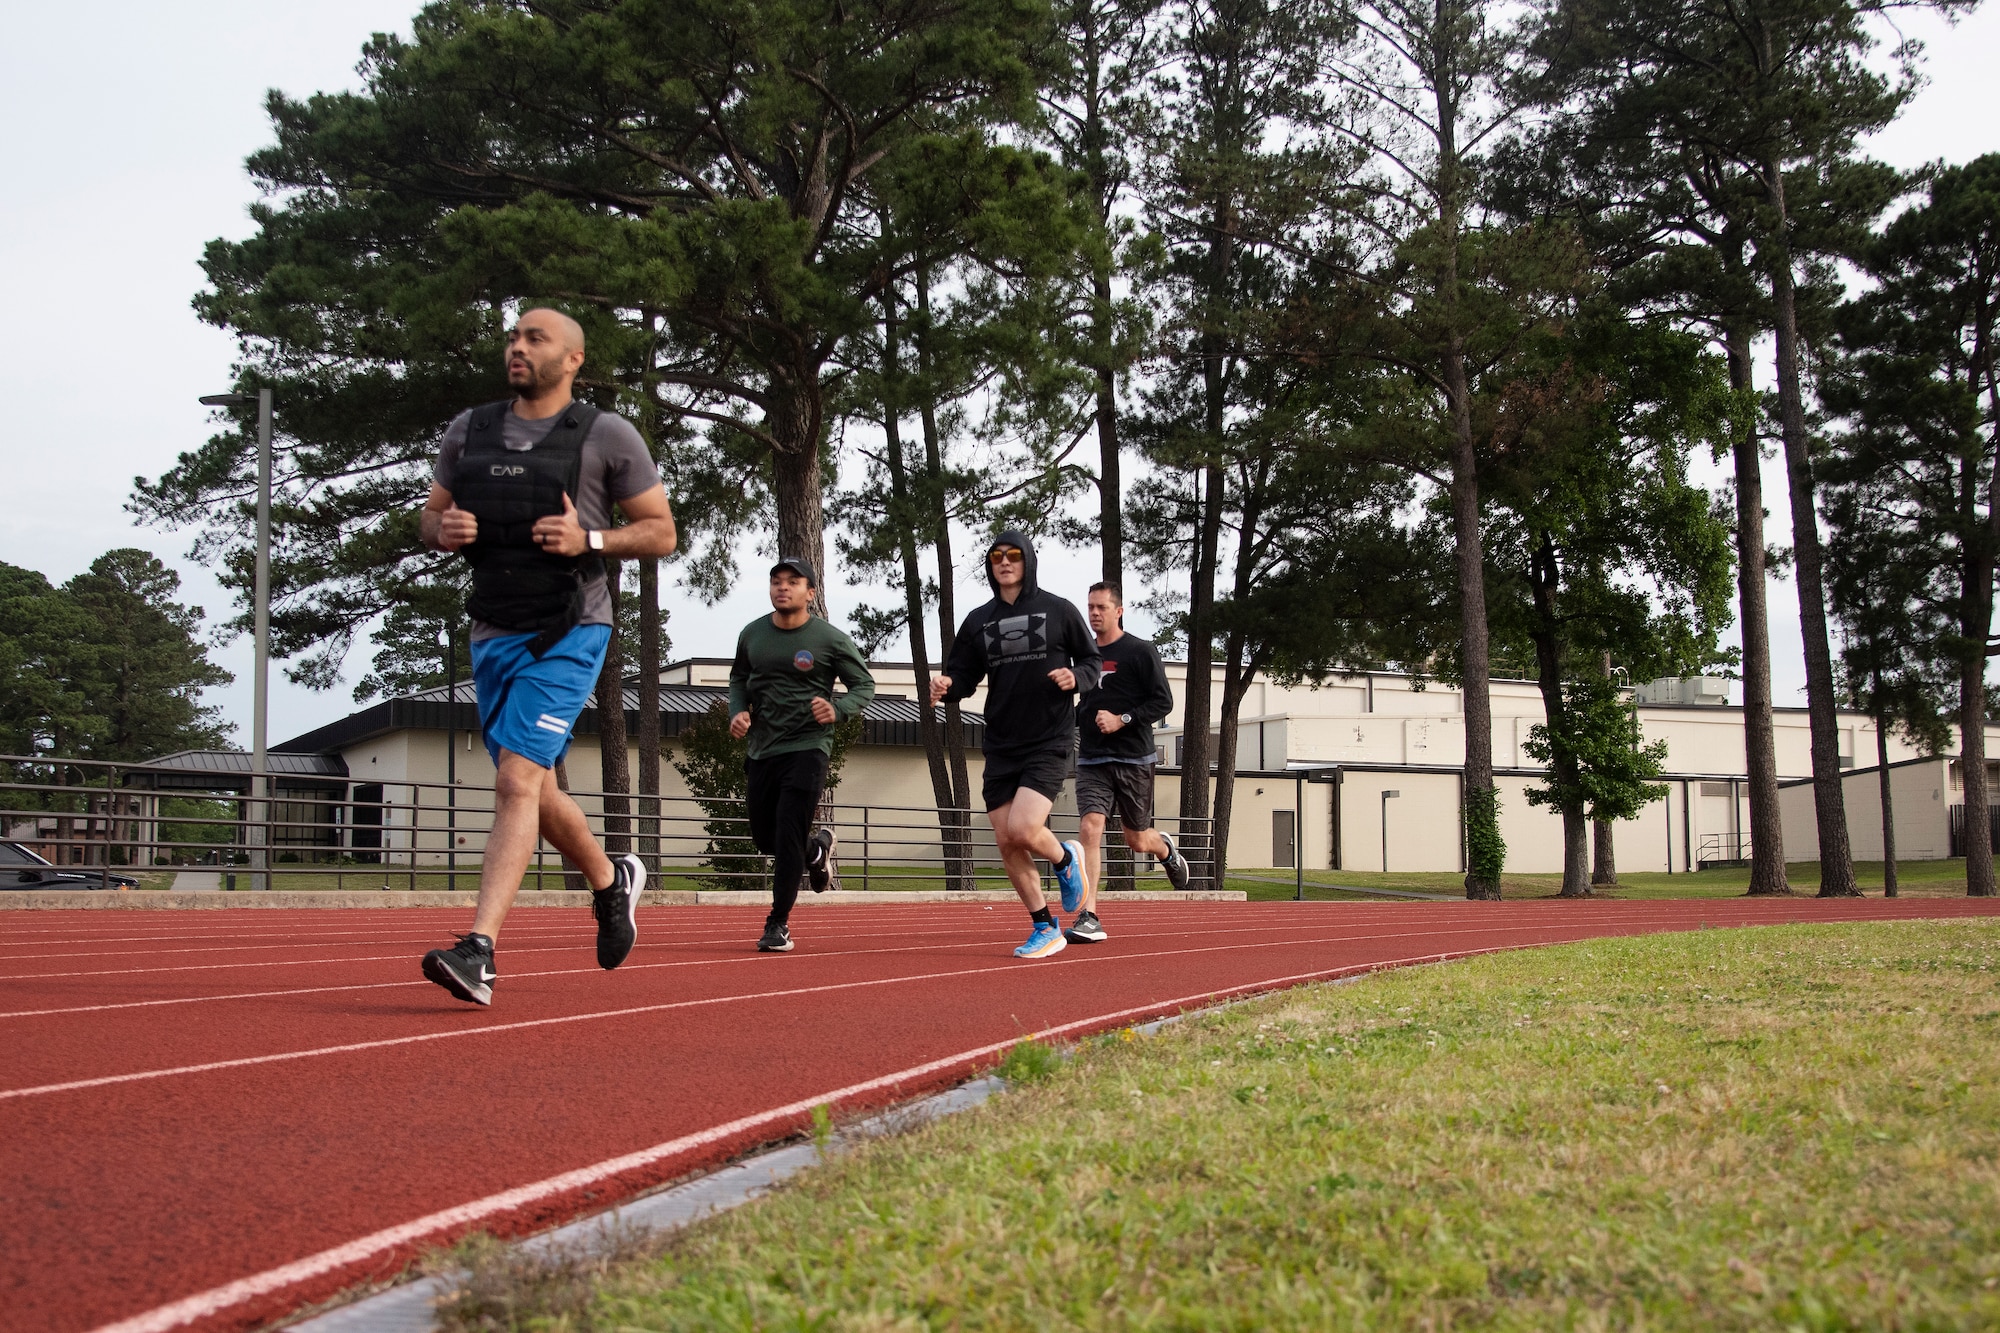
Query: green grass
[
  {"x": 1791, "y": 1127},
  {"x": 1915, "y": 879}
]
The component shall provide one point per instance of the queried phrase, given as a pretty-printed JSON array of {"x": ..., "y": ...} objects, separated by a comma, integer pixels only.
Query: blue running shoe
[
  {"x": 1044, "y": 941},
  {"x": 1071, "y": 880}
]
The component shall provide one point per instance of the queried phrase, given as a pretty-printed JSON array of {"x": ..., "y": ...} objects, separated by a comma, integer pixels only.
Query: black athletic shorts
[
  {"x": 1044, "y": 771},
  {"x": 1125, "y": 790}
]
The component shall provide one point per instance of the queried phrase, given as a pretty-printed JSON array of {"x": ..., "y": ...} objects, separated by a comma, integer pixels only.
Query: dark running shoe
[
  {"x": 465, "y": 969},
  {"x": 1174, "y": 864},
  {"x": 1086, "y": 929},
  {"x": 617, "y": 910},
  {"x": 819, "y": 859},
  {"x": 776, "y": 939}
]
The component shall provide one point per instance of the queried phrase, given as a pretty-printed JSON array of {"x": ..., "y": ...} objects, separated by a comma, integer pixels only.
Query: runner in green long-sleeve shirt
[{"x": 781, "y": 699}]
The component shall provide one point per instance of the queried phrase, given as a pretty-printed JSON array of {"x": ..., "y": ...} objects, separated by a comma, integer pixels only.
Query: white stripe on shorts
[{"x": 555, "y": 724}]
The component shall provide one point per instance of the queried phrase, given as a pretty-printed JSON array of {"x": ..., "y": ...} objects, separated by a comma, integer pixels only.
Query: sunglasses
[{"x": 1006, "y": 555}]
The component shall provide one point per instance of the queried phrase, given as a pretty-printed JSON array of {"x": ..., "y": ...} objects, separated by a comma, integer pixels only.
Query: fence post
[{"x": 864, "y": 849}]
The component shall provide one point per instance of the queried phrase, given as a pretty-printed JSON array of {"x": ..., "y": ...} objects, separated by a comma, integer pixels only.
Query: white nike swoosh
[{"x": 487, "y": 974}]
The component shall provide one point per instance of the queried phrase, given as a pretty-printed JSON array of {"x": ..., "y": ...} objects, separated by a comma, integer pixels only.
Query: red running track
[{"x": 209, "y": 1119}]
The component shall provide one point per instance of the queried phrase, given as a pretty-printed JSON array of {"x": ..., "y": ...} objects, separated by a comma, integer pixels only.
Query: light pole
[
  {"x": 1299, "y": 837},
  {"x": 260, "y": 781},
  {"x": 1387, "y": 797}
]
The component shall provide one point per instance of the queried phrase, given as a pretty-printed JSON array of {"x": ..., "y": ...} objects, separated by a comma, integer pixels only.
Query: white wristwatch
[{"x": 594, "y": 539}]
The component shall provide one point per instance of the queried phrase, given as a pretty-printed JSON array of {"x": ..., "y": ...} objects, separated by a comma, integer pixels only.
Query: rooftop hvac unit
[{"x": 1710, "y": 690}]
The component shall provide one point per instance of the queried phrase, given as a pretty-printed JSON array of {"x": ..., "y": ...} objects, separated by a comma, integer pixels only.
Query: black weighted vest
[{"x": 515, "y": 584}]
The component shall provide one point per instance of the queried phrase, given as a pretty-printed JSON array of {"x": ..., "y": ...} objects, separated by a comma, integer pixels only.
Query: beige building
[
  {"x": 1389, "y": 757},
  {"x": 1354, "y": 773},
  {"x": 1927, "y": 796},
  {"x": 419, "y": 778}
]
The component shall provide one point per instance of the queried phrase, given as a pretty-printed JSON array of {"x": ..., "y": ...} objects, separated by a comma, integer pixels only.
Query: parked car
[{"x": 21, "y": 868}]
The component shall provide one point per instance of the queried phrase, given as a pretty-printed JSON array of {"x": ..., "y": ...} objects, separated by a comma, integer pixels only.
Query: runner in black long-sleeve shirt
[
  {"x": 1114, "y": 761},
  {"x": 1036, "y": 654}
]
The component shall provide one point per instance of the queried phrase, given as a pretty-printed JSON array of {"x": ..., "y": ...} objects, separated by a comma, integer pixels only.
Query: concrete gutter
[{"x": 411, "y": 1307}]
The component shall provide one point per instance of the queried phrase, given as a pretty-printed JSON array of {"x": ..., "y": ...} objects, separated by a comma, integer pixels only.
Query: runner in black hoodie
[{"x": 1036, "y": 653}]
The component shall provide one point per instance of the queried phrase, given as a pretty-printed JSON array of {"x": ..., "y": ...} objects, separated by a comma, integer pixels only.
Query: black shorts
[
  {"x": 1044, "y": 771},
  {"x": 1122, "y": 789}
]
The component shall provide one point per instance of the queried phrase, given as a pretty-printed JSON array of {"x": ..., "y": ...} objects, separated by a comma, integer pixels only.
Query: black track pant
[{"x": 784, "y": 792}]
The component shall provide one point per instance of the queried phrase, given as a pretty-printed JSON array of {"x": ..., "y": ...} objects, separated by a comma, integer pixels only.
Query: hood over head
[{"x": 1012, "y": 537}]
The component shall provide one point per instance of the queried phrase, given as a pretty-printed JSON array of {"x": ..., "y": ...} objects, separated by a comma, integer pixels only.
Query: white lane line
[
  {"x": 1521, "y": 923},
  {"x": 217, "y": 1299},
  {"x": 580, "y": 941},
  {"x": 577, "y": 940},
  {"x": 319, "y": 961},
  {"x": 753, "y": 960},
  {"x": 714, "y": 962},
  {"x": 347, "y": 1048}
]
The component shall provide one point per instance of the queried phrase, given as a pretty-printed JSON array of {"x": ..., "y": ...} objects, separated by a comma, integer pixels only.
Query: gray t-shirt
[{"x": 615, "y": 467}]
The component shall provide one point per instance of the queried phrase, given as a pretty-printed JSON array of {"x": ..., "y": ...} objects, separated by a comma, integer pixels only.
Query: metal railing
[
  {"x": 108, "y": 821},
  {"x": 1722, "y": 849},
  {"x": 1957, "y": 835}
]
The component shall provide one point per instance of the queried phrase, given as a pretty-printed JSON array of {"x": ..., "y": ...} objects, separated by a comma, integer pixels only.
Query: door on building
[
  {"x": 366, "y": 824},
  {"x": 1284, "y": 840}
]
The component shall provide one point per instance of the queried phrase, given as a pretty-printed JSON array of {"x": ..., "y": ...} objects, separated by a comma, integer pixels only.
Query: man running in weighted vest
[{"x": 524, "y": 489}]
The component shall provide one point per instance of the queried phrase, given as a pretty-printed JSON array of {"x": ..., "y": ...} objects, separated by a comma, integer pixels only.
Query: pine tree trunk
[
  {"x": 614, "y": 758},
  {"x": 1576, "y": 853},
  {"x": 1889, "y": 889},
  {"x": 1236, "y": 678},
  {"x": 1836, "y": 860},
  {"x": 1760, "y": 747},
  {"x": 1978, "y": 837},
  {"x": 1110, "y": 485},
  {"x": 903, "y": 520},
  {"x": 1544, "y": 575},
  {"x": 1603, "y": 853},
  {"x": 1603, "y": 834},
  {"x": 649, "y": 713},
  {"x": 1103, "y": 195},
  {"x": 959, "y": 857},
  {"x": 796, "y": 479},
  {"x": 1198, "y": 709},
  {"x": 1976, "y": 626},
  {"x": 1446, "y": 43},
  {"x": 1474, "y": 654}
]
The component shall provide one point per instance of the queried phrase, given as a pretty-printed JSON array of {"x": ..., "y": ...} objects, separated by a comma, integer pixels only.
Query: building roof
[
  {"x": 214, "y": 770},
  {"x": 887, "y": 720}
]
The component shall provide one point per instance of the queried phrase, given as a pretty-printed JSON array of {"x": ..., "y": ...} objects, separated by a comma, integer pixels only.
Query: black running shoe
[
  {"x": 465, "y": 969},
  {"x": 776, "y": 939},
  {"x": 1174, "y": 864},
  {"x": 819, "y": 860},
  {"x": 617, "y": 910},
  {"x": 1086, "y": 929}
]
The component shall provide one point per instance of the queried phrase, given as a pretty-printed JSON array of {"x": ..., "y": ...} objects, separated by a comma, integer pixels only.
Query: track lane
[
  {"x": 186, "y": 1183},
  {"x": 59, "y": 1055}
]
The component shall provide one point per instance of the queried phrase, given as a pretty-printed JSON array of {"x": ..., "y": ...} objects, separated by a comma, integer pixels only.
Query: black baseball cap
[{"x": 797, "y": 564}]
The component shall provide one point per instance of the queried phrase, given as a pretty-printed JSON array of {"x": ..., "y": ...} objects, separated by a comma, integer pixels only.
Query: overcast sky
[{"x": 123, "y": 168}]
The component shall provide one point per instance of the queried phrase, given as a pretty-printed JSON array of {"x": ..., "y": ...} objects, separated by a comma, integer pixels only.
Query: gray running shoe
[
  {"x": 465, "y": 969},
  {"x": 1086, "y": 929},
  {"x": 1174, "y": 864},
  {"x": 819, "y": 859},
  {"x": 617, "y": 910},
  {"x": 776, "y": 939}
]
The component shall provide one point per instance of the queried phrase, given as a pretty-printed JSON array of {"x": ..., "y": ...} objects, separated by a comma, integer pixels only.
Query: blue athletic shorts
[{"x": 530, "y": 706}]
